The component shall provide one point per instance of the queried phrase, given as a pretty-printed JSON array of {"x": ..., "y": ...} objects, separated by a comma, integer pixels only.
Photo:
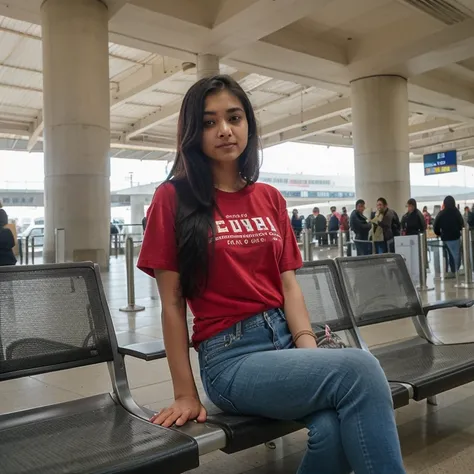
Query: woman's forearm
[
  {"x": 296, "y": 313},
  {"x": 176, "y": 337}
]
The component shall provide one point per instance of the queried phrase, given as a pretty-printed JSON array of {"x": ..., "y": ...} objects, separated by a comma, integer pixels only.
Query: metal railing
[
  {"x": 129, "y": 261},
  {"x": 310, "y": 240},
  {"x": 422, "y": 262},
  {"x": 466, "y": 255}
]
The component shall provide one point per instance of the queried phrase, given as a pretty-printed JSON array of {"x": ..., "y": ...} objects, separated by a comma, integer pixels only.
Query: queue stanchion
[
  {"x": 422, "y": 263},
  {"x": 307, "y": 246},
  {"x": 466, "y": 247},
  {"x": 129, "y": 261},
  {"x": 437, "y": 256},
  {"x": 27, "y": 249},
  {"x": 33, "y": 250},
  {"x": 341, "y": 242},
  {"x": 20, "y": 250}
]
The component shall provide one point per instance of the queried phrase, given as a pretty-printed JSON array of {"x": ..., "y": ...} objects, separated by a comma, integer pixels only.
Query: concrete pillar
[
  {"x": 207, "y": 65},
  {"x": 380, "y": 138},
  {"x": 76, "y": 128},
  {"x": 137, "y": 211}
]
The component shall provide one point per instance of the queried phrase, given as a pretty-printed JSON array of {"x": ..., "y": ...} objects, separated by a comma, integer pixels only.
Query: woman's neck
[{"x": 227, "y": 178}]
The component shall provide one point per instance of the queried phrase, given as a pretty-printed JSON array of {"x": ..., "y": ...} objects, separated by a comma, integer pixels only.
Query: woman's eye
[
  {"x": 209, "y": 123},
  {"x": 235, "y": 118}
]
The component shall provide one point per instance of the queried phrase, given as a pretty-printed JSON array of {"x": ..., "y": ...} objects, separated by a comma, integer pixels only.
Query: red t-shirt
[{"x": 254, "y": 245}]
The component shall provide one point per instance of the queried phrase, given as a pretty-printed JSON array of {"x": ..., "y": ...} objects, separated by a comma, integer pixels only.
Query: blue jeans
[
  {"x": 454, "y": 254},
  {"x": 380, "y": 247},
  {"x": 341, "y": 395}
]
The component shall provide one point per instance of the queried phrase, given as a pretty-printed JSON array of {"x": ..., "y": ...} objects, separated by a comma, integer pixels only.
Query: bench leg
[{"x": 432, "y": 401}]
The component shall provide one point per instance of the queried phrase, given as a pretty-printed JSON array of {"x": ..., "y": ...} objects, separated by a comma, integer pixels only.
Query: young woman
[
  {"x": 448, "y": 225},
  {"x": 223, "y": 243}
]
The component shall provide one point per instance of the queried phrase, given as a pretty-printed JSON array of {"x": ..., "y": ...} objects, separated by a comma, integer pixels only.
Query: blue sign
[{"x": 439, "y": 163}]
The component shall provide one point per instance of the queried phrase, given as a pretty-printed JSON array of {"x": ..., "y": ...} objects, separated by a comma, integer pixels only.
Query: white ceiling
[{"x": 294, "y": 58}]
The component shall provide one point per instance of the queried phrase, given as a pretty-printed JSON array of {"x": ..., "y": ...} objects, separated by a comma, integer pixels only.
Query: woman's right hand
[{"x": 181, "y": 411}]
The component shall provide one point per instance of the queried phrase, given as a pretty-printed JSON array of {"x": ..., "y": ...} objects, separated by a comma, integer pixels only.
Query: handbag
[{"x": 326, "y": 339}]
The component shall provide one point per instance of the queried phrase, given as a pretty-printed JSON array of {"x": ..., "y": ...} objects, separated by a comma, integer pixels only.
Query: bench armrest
[
  {"x": 458, "y": 303},
  {"x": 152, "y": 350}
]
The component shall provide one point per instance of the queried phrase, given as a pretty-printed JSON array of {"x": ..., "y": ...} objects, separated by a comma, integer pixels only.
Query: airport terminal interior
[{"x": 85, "y": 81}]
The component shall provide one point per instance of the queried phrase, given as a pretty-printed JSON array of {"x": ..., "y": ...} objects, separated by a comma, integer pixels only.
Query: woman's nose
[{"x": 224, "y": 130}]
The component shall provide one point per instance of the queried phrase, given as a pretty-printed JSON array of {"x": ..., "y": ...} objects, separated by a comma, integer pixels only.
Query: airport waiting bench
[
  {"x": 326, "y": 304},
  {"x": 55, "y": 317},
  {"x": 379, "y": 289}
]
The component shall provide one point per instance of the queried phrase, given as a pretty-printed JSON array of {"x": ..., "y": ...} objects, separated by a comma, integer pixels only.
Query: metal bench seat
[
  {"x": 55, "y": 317},
  {"x": 400, "y": 395},
  {"x": 93, "y": 435},
  {"x": 379, "y": 289},
  {"x": 430, "y": 369},
  {"x": 242, "y": 432},
  {"x": 326, "y": 304}
]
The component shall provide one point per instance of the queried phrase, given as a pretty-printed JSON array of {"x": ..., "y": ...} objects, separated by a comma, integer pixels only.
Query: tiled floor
[{"x": 435, "y": 439}]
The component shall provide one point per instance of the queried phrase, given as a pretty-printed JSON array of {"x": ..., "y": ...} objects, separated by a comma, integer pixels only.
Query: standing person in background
[
  {"x": 468, "y": 217},
  {"x": 333, "y": 226},
  {"x": 448, "y": 225},
  {"x": 427, "y": 217},
  {"x": 413, "y": 222},
  {"x": 385, "y": 227},
  {"x": 361, "y": 228},
  {"x": 296, "y": 223},
  {"x": 319, "y": 227},
  {"x": 7, "y": 241},
  {"x": 344, "y": 226}
]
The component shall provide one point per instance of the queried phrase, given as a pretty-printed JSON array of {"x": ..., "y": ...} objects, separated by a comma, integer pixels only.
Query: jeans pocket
[{"x": 216, "y": 345}]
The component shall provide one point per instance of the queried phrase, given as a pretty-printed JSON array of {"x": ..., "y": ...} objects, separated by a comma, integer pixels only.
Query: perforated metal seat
[
  {"x": 95, "y": 435},
  {"x": 379, "y": 289},
  {"x": 326, "y": 304},
  {"x": 54, "y": 318}
]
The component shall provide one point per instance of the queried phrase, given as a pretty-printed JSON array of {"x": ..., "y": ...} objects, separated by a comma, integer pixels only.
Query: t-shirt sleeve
[
  {"x": 291, "y": 255},
  {"x": 159, "y": 249}
]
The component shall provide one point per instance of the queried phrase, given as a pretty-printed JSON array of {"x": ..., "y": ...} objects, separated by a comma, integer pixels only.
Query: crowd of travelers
[{"x": 376, "y": 233}]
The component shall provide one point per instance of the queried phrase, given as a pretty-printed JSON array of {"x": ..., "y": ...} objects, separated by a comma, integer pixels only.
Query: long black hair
[{"x": 192, "y": 177}]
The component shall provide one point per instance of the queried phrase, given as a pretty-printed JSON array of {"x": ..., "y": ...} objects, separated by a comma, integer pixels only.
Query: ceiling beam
[
  {"x": 460, "y": 145},
  {"x": 308, "y": 117},
  {"x": 114, "y": 6},
  {"x": 431, "y": 126},
  {"x": 144, "y": 80},
  {"x": 328, "y": 139},
  {"x": 442, "y": 138},
  {"x": 247, "y": 21},
  {"x": 36, "y": 129},
  {"x": 305, "y": 131},
  {"x": 409, "y": 47},
  {"x": 282, "y": 63},
  {"x": 167, "y": 112}
]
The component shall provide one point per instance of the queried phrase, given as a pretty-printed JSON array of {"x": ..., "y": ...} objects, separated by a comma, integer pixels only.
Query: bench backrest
[
  {"x": 52, "y": 317},
  {"x": 379, "y": 288},
  {"x": 323, "y": 295}
]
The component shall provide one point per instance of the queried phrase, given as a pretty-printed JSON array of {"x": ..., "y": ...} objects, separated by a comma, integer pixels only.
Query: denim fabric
[
  {"x": 363, "y": 248},
  {"x": 381, "y": 247},
  {"x": 341, "y": 395},
  {"x": 454, "y": 254}
]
